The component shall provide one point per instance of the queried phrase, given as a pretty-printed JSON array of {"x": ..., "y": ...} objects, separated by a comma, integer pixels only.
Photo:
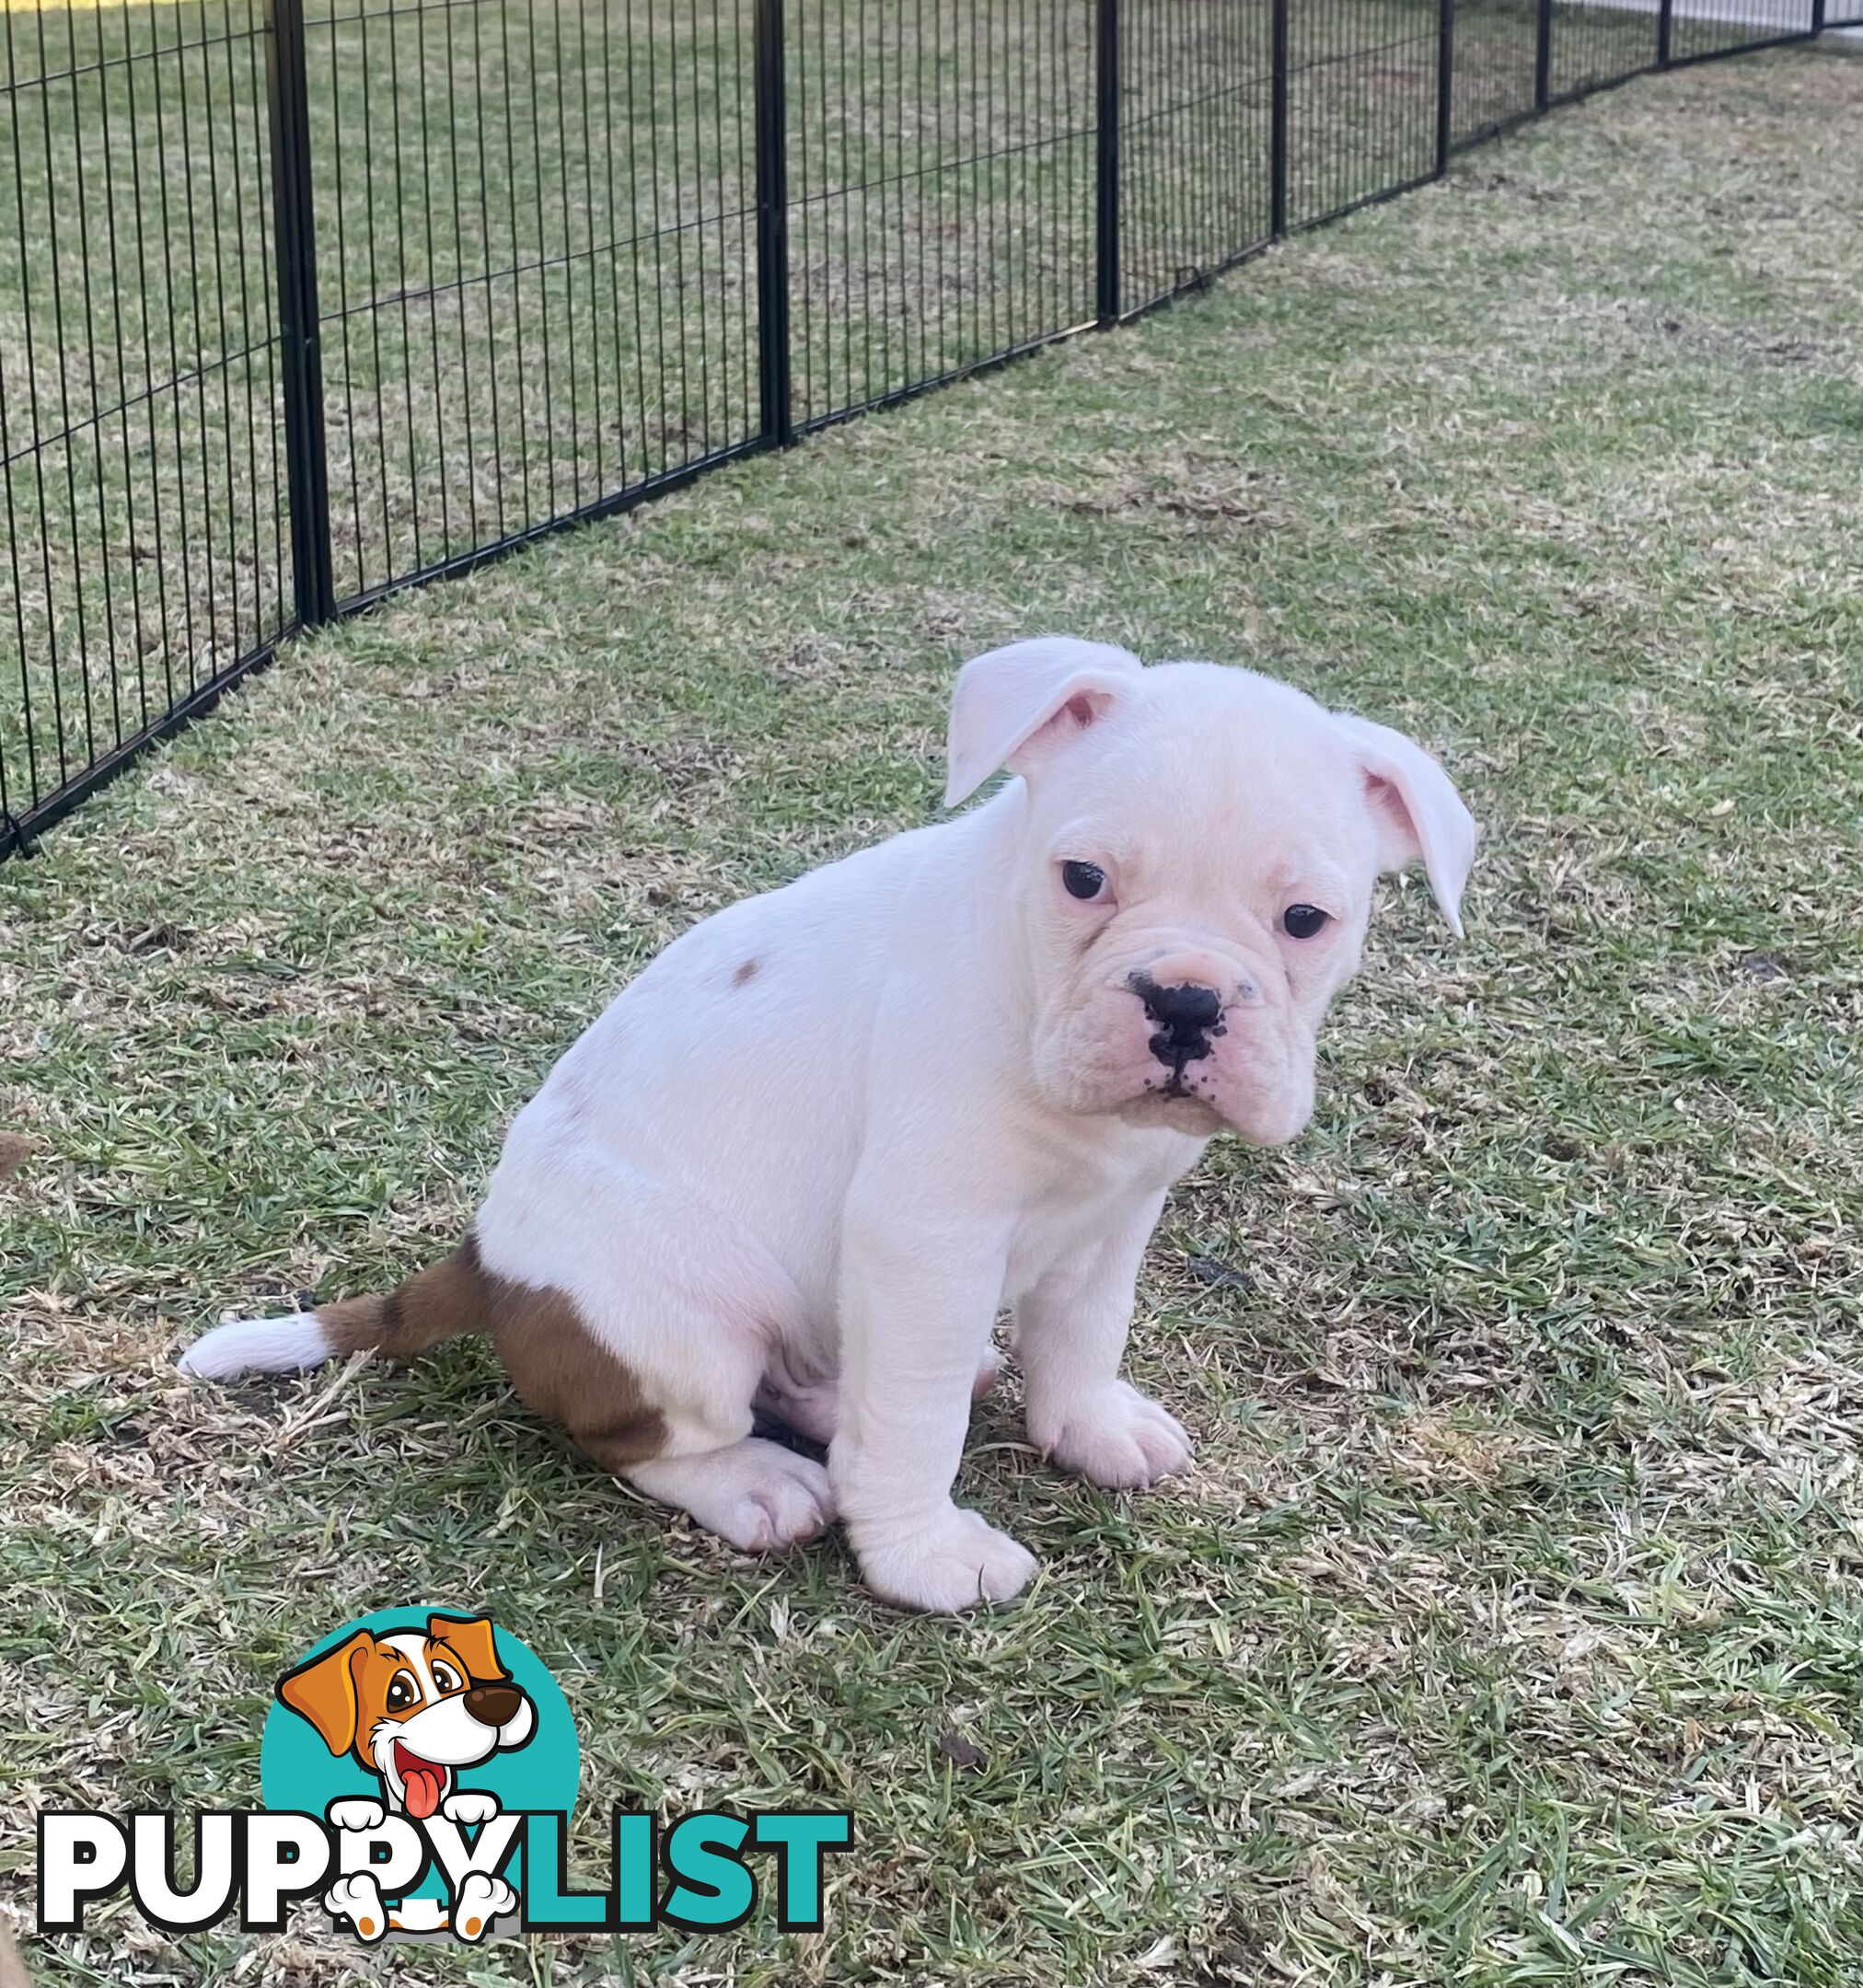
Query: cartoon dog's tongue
[{"x": 424, "y": 1783}]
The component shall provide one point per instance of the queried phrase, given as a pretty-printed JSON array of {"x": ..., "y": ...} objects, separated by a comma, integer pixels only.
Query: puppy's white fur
[
  {"x": 257, "y": 1346},
  {"x": 810, "y": 1151}
]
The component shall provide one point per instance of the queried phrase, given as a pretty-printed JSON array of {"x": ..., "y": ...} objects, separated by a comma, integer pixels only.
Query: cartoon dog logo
[{"x": 415, "y": 1709}]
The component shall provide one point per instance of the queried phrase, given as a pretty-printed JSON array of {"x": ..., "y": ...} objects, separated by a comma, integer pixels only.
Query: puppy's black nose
[
  {"x": 1186, "y": 1010},
  {"x": 494, "y": 1704},
  {"x": 1185, "y": 1015}
]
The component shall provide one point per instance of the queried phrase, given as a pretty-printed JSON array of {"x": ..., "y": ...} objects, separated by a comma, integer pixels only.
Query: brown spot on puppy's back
[{"x": 746, "y": 972}]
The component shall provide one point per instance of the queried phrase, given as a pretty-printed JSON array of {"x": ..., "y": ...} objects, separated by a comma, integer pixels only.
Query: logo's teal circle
[{"x": 297, "y": 1771}]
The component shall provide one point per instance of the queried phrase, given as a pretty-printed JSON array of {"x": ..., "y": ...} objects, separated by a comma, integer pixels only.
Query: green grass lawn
[{"x": 1509, "y": 1631}]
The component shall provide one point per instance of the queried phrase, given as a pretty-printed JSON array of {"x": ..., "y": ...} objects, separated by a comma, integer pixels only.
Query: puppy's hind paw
[
  {"x": 481, "y": 1900},
  {"x": 954, "y": 1561},
  {"x": 757, "y": 1495},
  {"x": 1115, "y": 1436}
]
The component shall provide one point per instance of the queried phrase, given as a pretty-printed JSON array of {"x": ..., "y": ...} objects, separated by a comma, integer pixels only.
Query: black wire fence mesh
[
  {"x": 305, "y": 300},
  {"x": 940, "y": 175},
  {"x": 536, "y": 265},
  {"x": 141, "y": 429}
]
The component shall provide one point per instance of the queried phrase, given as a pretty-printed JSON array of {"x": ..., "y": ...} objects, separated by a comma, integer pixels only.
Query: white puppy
[{"x": 803, "y": 1161}]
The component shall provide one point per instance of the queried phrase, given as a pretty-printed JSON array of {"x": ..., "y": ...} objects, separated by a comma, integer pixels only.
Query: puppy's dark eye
[
  {"x": 402, "y": 1691},
  {"x": 1304, "y": 921},
  {"x": 444, "y": 1678},
  {"x": 1084, "y": 880}
]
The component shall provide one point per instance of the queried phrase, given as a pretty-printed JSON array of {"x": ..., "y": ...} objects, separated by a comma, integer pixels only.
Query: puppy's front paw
[
  {"x": 481, "y": 1900},
  {"x": 1115, "y": 1437},
  {"x": 355, "y": 1813},
  {"x": 358, "y": 1898},
  {"x": 952, "y": 1561},
  {"x": 470, "y": 1806}
]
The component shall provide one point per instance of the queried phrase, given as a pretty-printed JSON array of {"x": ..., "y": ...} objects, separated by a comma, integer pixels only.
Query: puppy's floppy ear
[
  {"x": 1013, "y": 704},
  {"x": 471, "y": 1640},
  {"x": 1416, "y": 809},
  {"x": 324, "y": 1692}
]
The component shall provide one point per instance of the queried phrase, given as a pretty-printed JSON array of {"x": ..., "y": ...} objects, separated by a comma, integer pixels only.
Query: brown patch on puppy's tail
[
  {"x": 442, "y": 1301},
  {"x": 557, "y": 1365}
]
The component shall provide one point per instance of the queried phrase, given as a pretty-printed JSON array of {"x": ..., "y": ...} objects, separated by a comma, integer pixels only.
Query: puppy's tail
[{"x": 446, "y": 1299}]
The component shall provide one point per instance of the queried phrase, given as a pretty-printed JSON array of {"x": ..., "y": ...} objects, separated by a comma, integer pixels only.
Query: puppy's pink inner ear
[
  {"x": 1399, "y": 844},
  {"x": 1079, "y": 713},
  {"x": 1084, "y": 707}
]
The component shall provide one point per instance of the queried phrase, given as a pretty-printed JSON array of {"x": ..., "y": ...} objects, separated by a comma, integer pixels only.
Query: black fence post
[
  {"x": 293, "y": 222},
  {"x": 1107, "y": 183},
  {"x": 1665, "y": 15},
  {"x": 1278, "y": 126},
  {"x": 772, "y": 226},
  {"x": 1445, "y": 79},
  {"x": 1543, "y": 58},
  {"x": 1817, "y": 17}
]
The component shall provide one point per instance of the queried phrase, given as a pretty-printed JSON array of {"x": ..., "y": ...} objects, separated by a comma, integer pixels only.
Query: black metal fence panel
[
  {"x": 1700, "y": 27},
  {"x": 1598, "y": 41},
  {"x": 941, "y": 184},
  {"x": 1362, "y": 87},
  {"x": 141, "y": 455},
  {"x": 1195, "y": 142},
  {"x": 536, "y": 255},
  {"x": 305, "y": 300},
  {"x": 1496, "y": 65}
]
